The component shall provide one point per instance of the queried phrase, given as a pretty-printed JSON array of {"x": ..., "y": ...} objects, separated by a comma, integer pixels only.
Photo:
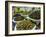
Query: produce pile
[
  {"x": 23, "y": 11},
  {"x": 18, "y": 17},
  {"x": 25, "y": 25},
  {"x": 35, "y": 15}
]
